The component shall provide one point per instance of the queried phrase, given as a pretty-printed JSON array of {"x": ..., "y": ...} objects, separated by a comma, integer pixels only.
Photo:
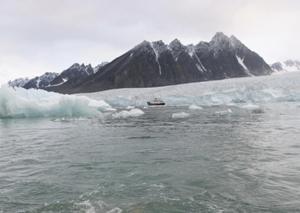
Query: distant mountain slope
[
  {"x": 19, "y": 82},
  {"x": 68, "y": 78},
  {"x": 41, "y": 82},
  {"x": 286, "y": 66},
  {"x": 71, "y": 77}
]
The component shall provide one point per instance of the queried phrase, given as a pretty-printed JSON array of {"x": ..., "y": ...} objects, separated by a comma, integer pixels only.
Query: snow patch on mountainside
[
  {"x": 241, "y": 62},
  {"x": 64, "y": 80},
  {"x": 192, "y": 53},
  {"x": 156, "y": 52}
]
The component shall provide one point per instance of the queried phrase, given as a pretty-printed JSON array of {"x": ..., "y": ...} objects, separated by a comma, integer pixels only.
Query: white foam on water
[
  {"x": 88, "y": 207},
  {"x": 22, "y": 103},
  {"x": 128, "y": 113},
  {"x": 224, "y": 112},
  {"x": 160, "y": 185},
  {"x": 115, "y": 210},
  {"x": 180, "y": 115}
]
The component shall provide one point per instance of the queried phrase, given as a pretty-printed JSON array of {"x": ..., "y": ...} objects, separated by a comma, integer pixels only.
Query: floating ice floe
[
  {"x": 195, "y": 107},
  {"x": 253, "y": 108},
  {"x": 250, "y": 106},
  {"x": 180, "y": 115},
  {"x": 115, "y": 210},
  {"x": 129, "y": 113},
  {"x": 130, "y": 107}
]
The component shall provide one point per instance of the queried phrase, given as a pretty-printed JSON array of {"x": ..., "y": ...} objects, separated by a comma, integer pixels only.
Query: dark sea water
[{"x": 212, "y": 161}]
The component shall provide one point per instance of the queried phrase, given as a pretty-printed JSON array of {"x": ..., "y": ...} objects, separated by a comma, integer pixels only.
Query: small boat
[{"x": 156, "y": 102}]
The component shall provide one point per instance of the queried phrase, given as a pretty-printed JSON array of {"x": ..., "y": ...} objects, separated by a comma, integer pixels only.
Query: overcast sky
[{"x": 38, "y": 36}]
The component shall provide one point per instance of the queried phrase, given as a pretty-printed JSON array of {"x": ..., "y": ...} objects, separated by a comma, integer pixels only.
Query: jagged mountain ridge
[
  {"x": 152, "y": 64},
  {"x": 71, "y": 77},
  {"x": 42, "y": 81},
  {"x": 158, "y": 64}
]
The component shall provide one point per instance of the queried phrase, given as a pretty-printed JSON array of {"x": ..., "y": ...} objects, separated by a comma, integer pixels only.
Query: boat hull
[{"x": 155, "y": 104}]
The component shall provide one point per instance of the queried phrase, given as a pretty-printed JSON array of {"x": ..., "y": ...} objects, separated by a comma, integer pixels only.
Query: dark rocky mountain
[
  {"x": 40, "y": 82},
  {"x": 152, "y": 64},
  {"x": 70, "y": 78},
  {"x": 19, "y": 82}
]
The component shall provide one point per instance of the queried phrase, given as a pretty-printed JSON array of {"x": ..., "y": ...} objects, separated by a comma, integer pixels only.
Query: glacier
[
  {"x": 235, "y": 91},
  {"x": 249, "y": 93}
]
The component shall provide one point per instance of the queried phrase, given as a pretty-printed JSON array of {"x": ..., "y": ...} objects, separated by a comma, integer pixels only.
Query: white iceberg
[
  {"x": 128, "y": 113},
  {"x": 180, "y": 115},
  {"x": 195, "y": 107},
  {"x": 22, "y": 103}
]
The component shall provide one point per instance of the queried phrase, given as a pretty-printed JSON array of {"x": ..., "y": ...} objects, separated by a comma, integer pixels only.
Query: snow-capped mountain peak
[
  {"x": 159, "y": 46},
  {"x": 176, "y": 45},
  {"x": 219, "y": 37},
  {"x": 75, "y": 66},
  {"x": 219, "y": 42},
  {"x": 176, "y": 48},
  {"x": 142, "y": 46}
]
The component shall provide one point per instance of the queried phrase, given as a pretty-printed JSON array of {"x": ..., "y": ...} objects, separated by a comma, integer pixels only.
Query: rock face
[
  {"x": 19, "y": 82},
  {"x": 67, "y": 80},
  {"x": 286, "y": 66},
  {"x": 152, "y": 64},
  {"x": 40, "y": 82}
]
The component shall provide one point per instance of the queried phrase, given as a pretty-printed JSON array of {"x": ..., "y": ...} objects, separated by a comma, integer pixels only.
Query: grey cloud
[{"x": 42, "y": 35}]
